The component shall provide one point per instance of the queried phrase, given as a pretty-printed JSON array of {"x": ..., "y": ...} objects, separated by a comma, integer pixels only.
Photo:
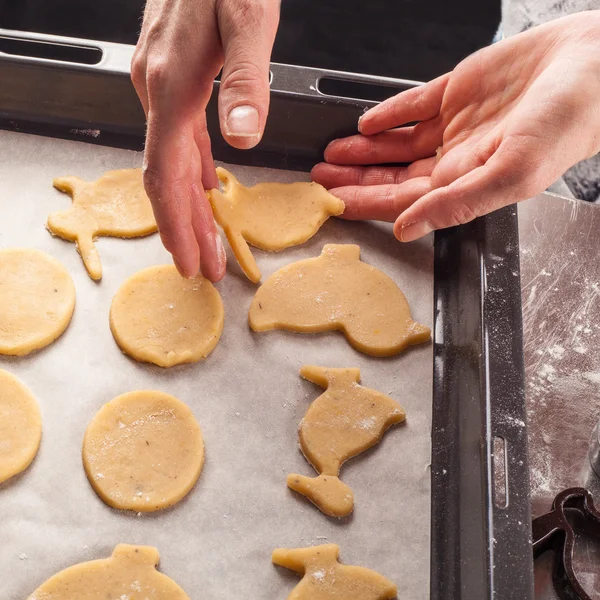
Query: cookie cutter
[{"x": 553, "y": 531}]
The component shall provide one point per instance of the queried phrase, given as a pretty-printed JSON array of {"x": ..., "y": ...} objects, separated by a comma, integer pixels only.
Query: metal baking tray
[{"x": 480, "y": 509}]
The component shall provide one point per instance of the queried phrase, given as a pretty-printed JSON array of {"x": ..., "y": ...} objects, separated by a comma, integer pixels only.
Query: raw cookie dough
[
  {"x": 20, "y": 426},
  {"x": 342, "y": 422},
  {"x": 37, "y": 299},
  {"x": 336, "y": 291},
  {"x": 157, "y": 316},
  {"x": 143, "y": 451},
  {"x": 114, "y": 205},
  {"x": 270, "y": 216},
  {"x": 130, "y": 573},
  {"x": 324, "y": 578}
]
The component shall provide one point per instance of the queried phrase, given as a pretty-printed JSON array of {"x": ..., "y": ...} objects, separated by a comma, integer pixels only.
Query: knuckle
[
  {"x": 138, "y": 70},
  {"x": 389, "y": 200},
  {"x": 157, "y": 74},
  {"x": 366, "y": 176},
  {"x": 461, "y": 214},
  {"x": 153, "y": 182},
  {"x": 248, "y": 12},
  {"x": 244, "y": 74}
]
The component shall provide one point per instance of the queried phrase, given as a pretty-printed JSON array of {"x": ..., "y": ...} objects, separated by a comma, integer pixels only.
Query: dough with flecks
[
  {"x": 324, "y": 578},
  {"x": 337, "y": 291},
  {"x": 20, "y": 426},
  {"x": 143, "y": 451},
  {"x": 129, "y": 573},
  {"x": 270, "y": 216},
  {"x": 342, "y": 422},
  {"x": 37, "y": 299},
  {"x": 114, "y": 205},
  {"x": 157, "y": 316}
]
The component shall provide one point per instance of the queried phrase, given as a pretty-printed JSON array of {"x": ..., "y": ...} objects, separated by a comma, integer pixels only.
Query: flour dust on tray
[
  {"x": 342, "y": 422},
  {"x": 324, "y": 578},
  {"x": 159, "y": 317},
  {"x": 143, "y": 451},
  {"x": 337, "y": 291},
  {"x": 20, "y": 426},
  {"x": 270, "y": 216},
  {"x": 37, "y": 300},
  {"x": 115, "y": 205},
  {"x": 129, "y": 573}
]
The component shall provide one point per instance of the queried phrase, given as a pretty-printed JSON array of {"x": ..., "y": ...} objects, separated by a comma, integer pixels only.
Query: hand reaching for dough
[
  {"x": 182, "y": 47},
  {"x": 500, "y": 128}
]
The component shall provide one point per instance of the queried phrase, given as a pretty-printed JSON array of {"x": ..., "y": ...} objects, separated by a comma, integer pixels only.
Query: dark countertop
[{"x": 560, "y": 281}]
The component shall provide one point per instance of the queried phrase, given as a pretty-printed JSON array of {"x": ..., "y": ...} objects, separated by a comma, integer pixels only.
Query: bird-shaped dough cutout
[
  {"x": 129, "y": 573},
  {"x": 337, "y": 291},
  {"x": 270, "y": 216},
  {"x": 324, "y": 578},
  {"x": 342, "y": 422},
  {"x": 115, "y": 205}
]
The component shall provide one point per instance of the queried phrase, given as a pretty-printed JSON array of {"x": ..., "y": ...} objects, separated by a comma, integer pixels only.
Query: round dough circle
[
  {"x": 157, "y": 316},
  {"x": 143, "y": 451},
  {"x": 37, "y": 297},
  {"x": 20, "y": 426}
]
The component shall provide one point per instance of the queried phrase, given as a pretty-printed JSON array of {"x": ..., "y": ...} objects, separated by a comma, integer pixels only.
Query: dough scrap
[
  {"x": 342, "y": 422},
  {"x": 37, "y": 299},
  {"x": 114, "y": 205},
  {"x": 324, "y": 578},
  {"x": 157, "y": 316},
  {"x": 143, "y": 451},
  {"x": 129, "y": 573},
  {"x": 270, "y": 216},
  {"x": 20, "y": 426},
  {"x": 337, "y": 291}
]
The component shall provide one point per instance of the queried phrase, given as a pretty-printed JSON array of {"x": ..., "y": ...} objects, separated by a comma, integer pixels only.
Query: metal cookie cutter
[{"x": 553, "y": 531}]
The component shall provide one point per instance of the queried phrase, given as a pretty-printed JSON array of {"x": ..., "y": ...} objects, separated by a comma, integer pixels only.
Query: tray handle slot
[
  {"x": 326, "y": 83},
  {"x": 69, "y": 53},
  {"x": 356, "y": 89},
  {"x": 500, "y": 475}
]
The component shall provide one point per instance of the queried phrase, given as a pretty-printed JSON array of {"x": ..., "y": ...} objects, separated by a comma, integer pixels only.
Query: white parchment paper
[{"x": 247, "y": 396}]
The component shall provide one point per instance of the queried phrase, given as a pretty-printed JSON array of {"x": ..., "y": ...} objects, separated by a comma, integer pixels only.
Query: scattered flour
[
  {"x": 593, "y": 377},
  {"x": 319, "y": 575},
  {"x": 557, "y": 352}
]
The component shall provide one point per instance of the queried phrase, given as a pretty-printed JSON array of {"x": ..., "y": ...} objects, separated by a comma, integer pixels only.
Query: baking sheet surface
[{"x": 247, "y": 396}]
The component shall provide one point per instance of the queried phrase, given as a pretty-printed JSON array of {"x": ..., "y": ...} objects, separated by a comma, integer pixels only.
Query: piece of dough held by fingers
[{"x": 269, "y": 216}]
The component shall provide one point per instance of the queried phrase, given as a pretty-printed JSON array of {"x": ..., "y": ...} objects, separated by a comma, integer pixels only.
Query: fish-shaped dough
[
  {"x": 342, "y": 422},
  {"x": 129, "y": 573},
  {"x": 270, "y": 216},
  {"x": 337, "y": 291},
  {"x": 324, "y": 578},
  {"x": 115, "y": 205}
]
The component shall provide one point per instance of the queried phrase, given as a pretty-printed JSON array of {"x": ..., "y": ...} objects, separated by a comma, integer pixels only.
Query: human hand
[
  {"x": 182, "y": 47},
  {"x": 500, "y": 128}
]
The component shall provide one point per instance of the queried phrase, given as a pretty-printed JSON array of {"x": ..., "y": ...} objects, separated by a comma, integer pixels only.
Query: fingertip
[
  {"x": 221, "y": 264},
  {"x": 214, "y": 260},
  {"x": 329, "y": 153},
  {"x": 187, "y": 271},
  {"x": 317, "y": 172},
  {"x": 242, "y": 128},
  {"x": 364, "y": 123},
  {"x": 360, "y": 122},
  {"x": 210, "y": 181},
  {"x": 411, "y": 231}
]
